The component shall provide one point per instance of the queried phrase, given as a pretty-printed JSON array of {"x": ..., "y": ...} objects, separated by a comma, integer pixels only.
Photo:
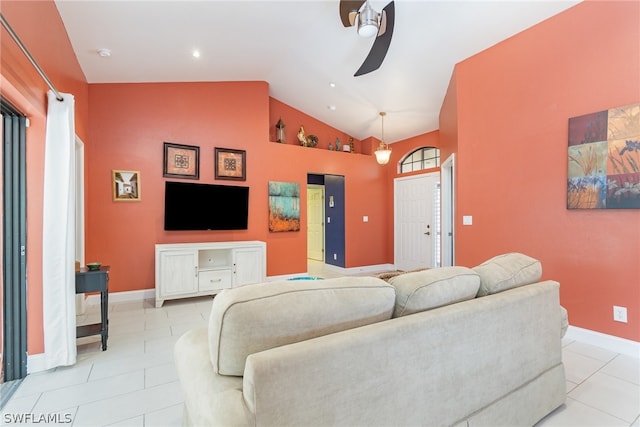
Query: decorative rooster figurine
[{"x": 302, "y": 137}]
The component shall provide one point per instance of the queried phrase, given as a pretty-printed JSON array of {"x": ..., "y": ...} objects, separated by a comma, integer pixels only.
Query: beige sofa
[{"x": 448, "y": 346}]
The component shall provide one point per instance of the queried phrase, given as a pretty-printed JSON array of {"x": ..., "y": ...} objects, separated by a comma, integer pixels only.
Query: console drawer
[{"x": 211, "y": 280}]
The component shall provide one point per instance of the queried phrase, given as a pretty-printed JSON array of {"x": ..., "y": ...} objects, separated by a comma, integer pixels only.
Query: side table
[{"x": 95, "y": 281}]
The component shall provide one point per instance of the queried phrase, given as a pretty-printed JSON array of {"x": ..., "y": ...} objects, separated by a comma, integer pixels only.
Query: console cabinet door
[
  {"x": 248, "y": 266},
  {"x": 178, "y": 272}
]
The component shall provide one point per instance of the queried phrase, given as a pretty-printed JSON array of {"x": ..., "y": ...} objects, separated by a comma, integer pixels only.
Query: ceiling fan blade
[
  {"x": 378, "y": 51},
  {"x": 349, "y": 8}
]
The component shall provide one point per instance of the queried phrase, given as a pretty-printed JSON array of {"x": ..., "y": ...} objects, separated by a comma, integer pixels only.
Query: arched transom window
[{"x": 422, "y": 158}]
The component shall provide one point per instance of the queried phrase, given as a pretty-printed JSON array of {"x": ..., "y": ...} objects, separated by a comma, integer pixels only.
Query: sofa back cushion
[
  {"x": 427, "y": 289},
  {"x": 507, "y": 271},
  {"x": 258, "y": 317}
]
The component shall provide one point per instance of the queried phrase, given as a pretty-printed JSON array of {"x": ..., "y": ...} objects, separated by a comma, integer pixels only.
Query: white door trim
[
  {"x": 79, "y": 208},
  {"x": 447, "y": 194}
]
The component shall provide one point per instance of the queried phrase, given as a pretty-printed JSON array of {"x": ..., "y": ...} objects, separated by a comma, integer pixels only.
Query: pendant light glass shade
[{"x": 383, "y": 152}]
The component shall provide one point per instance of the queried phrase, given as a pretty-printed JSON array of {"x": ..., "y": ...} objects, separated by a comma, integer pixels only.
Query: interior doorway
[
  {"x": 329, "y": 219},
  {"x": 416, "y": 221},
  {"x": 315, "y": 222}
]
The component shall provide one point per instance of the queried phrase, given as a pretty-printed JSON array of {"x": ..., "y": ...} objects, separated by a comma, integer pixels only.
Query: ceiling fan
[{"x": 370, "y": 23}]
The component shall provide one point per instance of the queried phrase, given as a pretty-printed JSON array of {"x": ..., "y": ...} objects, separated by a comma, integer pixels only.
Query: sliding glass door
[{"x": 14, "y": 239}]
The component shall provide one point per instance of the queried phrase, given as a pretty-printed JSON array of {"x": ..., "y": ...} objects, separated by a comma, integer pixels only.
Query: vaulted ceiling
[{"x": 301, "y": 49}]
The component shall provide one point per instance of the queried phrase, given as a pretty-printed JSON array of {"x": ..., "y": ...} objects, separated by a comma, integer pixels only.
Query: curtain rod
[{"x": 15, "y": 38}]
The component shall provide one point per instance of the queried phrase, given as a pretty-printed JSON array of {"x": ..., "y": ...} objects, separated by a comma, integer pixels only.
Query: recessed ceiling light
[
  {"x": 105, "y": 53},
  {"x": 331, "y": 107},
  {"x": 332, "y": 84},
  {"x": 196, "y": 53}
]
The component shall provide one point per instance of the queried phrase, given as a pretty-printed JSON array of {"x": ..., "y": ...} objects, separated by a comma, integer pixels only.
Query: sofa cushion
[
  {"x": 258, "y": 317},
  {"x": 427, "y": 289},
  {"x": 507, "y": 271}
]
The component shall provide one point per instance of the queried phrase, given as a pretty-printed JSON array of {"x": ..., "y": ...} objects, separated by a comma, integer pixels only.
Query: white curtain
[{"x": 58, "y": 235}]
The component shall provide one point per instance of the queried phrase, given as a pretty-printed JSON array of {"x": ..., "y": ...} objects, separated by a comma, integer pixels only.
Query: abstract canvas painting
[
  {"x": 604, "y": 160},
  {"x": 284, "y": 206}
]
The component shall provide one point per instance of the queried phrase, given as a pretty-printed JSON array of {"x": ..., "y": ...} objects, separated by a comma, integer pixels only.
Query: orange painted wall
[
  {"x": 22, "y": 86},
  {"x": 130, "y": 122},
  {"x": 293, "y": 119},
  {"x": 513, "y": 105},
  {"x": 448, "y": 121}
]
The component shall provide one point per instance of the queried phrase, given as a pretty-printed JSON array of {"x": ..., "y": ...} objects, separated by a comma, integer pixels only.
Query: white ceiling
[{"x": 299, "y": 48}]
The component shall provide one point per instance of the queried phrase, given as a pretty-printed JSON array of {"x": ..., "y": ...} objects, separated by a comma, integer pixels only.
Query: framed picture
[
  {"x": 230, "y": 164},
  {"x": 284, "y": 206},
  {"x": 125, "y": 186},
  {"x": 604, "y": 159},
  {"x": 181, "y": 161}
]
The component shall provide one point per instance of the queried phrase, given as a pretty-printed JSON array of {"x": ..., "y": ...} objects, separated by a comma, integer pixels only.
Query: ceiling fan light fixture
[
  {"x": 368, "y": 21},
  {"x": 383, "y": 152}
]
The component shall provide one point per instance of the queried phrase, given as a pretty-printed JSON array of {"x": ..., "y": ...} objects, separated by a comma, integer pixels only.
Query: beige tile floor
[{"x": 134, "y": 382}]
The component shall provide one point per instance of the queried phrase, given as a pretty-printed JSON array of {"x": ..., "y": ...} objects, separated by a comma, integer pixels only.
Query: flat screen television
[{"x": 190, "y": 206}]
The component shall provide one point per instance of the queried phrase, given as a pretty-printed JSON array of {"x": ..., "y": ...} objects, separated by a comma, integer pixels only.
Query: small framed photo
[
  {"x": 230, "y": 164},
  {"x": 125, "y": 186},
  {"x": 181, "y": 161}
]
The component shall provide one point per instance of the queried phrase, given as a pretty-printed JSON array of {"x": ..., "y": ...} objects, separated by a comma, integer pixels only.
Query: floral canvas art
[{"x": 604, "y": 160}]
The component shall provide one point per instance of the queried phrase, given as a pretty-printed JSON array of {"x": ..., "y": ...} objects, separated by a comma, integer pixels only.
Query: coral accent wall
[
  {"x": 293, "y": 119},
  {"x": 40, "y": 28},
  {"x": 513, "y": 105},
  {"x": 130, "y": 122}
]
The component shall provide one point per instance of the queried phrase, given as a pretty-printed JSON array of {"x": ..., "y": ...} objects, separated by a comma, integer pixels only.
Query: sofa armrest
[{"x": 210, "y": 399}]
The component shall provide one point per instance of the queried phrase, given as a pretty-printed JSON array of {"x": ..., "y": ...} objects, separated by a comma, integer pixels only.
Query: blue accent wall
[{"x": 334, "y": 220}]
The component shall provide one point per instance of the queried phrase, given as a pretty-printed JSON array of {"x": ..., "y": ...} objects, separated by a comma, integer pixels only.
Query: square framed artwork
[
  {"x": 181, "y": 161},
  {"x": 230, "y": 164},
  {"x": 604, "y": 159},
  {"x": 125, "y": 186}
]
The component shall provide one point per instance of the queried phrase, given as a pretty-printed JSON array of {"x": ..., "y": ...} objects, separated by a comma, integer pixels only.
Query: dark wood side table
[{"x": 95, "y": 281}]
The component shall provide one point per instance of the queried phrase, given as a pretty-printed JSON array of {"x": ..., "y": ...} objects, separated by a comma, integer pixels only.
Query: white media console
[{"x": 195, "y": 269}]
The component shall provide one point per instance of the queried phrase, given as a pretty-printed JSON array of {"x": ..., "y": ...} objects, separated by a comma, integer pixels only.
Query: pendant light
[{"x": 383, "y": 152}]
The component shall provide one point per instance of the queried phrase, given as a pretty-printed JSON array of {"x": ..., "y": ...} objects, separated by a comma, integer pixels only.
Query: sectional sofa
[{"x": 452, "y": 346}]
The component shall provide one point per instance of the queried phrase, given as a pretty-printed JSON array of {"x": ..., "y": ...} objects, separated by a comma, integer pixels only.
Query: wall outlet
[
  {"x": 620, "y": 314},
  {"x": 335, "y": 257}
]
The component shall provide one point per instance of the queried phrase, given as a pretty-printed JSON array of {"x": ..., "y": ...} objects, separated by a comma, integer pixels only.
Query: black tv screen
[{"x": 189, "y": 206}]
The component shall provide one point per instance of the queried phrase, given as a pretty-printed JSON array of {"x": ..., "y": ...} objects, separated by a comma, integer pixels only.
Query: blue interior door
[{"x": 335, "y": 220}]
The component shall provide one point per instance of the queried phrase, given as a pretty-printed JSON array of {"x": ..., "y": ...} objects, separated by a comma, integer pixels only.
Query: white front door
[
  {"x": 315, "y": 222},
  {"x": 415, "y": 221}
]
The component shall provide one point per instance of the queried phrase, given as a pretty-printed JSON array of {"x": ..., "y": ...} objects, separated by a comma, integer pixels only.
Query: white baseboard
[
  {"x": 140, "y": 295},
  {"x": 35, "y": 363},
  {"x": 608, "y": 342}
]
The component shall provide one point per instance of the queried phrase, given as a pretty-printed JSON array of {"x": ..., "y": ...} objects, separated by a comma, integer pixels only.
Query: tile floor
[{"x": 134, "y": 382}]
